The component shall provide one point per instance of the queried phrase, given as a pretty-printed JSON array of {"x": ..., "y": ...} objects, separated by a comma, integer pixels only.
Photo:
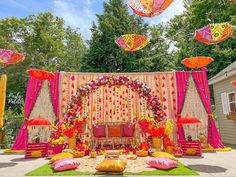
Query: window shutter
[{"x": 225, "y": 103}]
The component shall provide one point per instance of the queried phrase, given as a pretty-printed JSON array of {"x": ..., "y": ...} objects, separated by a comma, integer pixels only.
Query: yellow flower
[{"x": 169, "y": 126}]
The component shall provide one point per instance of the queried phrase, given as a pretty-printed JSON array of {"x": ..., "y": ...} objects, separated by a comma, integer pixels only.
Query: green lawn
[{"x": 46, "y": 170}]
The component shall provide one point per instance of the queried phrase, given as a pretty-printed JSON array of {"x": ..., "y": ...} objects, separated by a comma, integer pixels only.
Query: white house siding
[{"x": 227, "y": 127}]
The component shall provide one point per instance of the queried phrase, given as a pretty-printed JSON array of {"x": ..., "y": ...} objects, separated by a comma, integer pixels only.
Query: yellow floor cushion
[
  {"x": 36, "y": 154},
  {"x": 60, "y": 156},
  {"x": 164, "y": 154},
  {"x": 111, "y": 165}
]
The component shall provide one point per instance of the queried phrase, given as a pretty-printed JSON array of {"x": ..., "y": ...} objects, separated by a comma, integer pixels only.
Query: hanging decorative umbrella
[
  {"x": 132, "y": 42},
  {"x": 214, "y": 33},
  {"x": 39, "y": 122},
  {"x": 40, "y": 74},
  {"x": 233, "y": 83},
  {"x": 188, "y": 120},
  {"x": 197, "y": 62},
  {"x": 149, "y": 8},
  {"x": 9, "y": 57}
]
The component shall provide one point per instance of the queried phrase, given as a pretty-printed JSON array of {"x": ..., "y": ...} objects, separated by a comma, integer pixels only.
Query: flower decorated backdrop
[{"x": 118, "y": 104}]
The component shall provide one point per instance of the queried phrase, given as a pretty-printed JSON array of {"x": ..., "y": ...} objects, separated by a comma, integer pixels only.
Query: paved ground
[{"x": 221, "y": 164}]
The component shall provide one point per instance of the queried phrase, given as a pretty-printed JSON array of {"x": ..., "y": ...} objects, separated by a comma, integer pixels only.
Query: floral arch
[{"x": 153, "y": 103}]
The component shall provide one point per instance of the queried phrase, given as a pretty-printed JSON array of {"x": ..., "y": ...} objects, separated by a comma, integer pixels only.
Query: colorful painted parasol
[
  {"x": 197, "y": 62},
  {"x": 132, "y": 42},
  {"x": 149, "y": 8},
  {"x": 214, "y": 33},
  {"x": 40, "y": 74},
  {"x": 39, "y": 122},
  {"x": 10, "y": 57},
  {"x": 233, "y": 83},
  {"x": 188, "y": 120},
  {"x": 7, "y": 57}
]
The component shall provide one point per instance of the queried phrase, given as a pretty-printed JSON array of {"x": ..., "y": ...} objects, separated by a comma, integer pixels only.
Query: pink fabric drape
[
  {"x": 213, "y": 137},
  {"x": 21, "y": 139},
  {"x": 54, "y": 92},
  {"x": 181, "y": 85},
  {"x": 33, "y": 88}
]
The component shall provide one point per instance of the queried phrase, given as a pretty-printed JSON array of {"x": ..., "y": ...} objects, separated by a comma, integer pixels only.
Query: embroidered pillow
[
  {"x": 128, "y": 130},
  {"x": 66, "y": 164},
  {"x": 99, "y": 130},
  {"x": 114, "y": 131},
  {"x": 162, "y": 163}
]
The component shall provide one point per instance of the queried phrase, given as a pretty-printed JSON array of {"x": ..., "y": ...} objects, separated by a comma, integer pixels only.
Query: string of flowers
[{"x": 153, "y": 103}]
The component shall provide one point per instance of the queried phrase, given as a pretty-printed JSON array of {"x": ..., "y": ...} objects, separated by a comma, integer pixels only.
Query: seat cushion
[
  {"x": 65, "y": 164},
  {"x": 110, "y": 165},
  {"x": 99, "y": 130},
  {"x": 114, "y": 131},
  {"x": 162, "y": 163},
  {"x": 128, "y": 130}
]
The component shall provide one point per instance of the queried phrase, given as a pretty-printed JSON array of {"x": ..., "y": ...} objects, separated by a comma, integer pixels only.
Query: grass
[{"x": 46, "y": 170}]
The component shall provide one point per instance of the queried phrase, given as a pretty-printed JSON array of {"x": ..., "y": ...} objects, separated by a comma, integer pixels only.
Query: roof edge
[{"x": 222, "y": 77}]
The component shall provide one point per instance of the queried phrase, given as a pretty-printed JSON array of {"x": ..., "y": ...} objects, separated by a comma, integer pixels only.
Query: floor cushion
[
  {"x": 128, "y": 130},
  {"x": 164, "y": 154},
  {"x": 60, "y": 156},
  {"x": 66, "y": 164},
  {"x": 99, "y": 130},
  {"x": 111, "y": 165},
  {"x": 114, "y": 131},
  {"x": 162, "y": 163},
  {"x": 59, "y": 161}
]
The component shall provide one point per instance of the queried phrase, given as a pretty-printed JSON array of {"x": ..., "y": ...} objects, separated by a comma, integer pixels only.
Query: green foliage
[
  {"x": 45, "y": 41},
  {"x": 11, "y": 127},
  {"x": 105, "y": 56},
  {"x": 199, "y": 13}
]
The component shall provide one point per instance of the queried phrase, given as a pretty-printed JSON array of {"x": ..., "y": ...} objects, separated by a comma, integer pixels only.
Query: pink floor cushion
[
  {"x": 162, "y": 163},
  {"x": 99, "y": 130},
  {"x": 66, "y": 164},
  {"x": 60, "y": 161},
  {"x": 128, "y": 130}
]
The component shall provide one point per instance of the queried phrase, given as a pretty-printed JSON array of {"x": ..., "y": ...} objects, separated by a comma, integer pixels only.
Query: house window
[{"x": 232, "y": 101}]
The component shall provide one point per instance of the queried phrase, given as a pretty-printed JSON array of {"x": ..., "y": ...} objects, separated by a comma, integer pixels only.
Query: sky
[{"x": 76, "y": 13}]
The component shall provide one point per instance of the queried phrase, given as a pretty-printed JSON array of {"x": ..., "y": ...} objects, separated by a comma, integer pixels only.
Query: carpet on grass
[{"x": 46, "y": 170}]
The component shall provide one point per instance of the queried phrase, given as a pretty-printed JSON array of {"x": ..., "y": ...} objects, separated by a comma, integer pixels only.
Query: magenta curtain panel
[
  {"x": 181, "y": 85},
  {"x": 213, "y": 137},
  {"x": 54, "y": 91},
  {"x": 21, "y": 139},
  {"x": 33, "y": 88}
]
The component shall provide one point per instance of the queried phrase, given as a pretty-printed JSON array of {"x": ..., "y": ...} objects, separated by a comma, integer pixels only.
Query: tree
[
  {"x": 45, "y": 41},
  {"x": 198, "y": 14},
  {"x": 158, "y": 54},
  {"x": 104, "y": 55}
]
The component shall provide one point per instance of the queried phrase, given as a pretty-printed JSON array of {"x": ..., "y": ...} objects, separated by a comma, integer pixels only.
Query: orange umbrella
[
  {"x": 149, "y": 8},
  {"x": 188, "y": 120},
  {"x": 132, "y": 42},
  {"x": 40, "y": 74},
  {"x": 9, "y": 57},
  {"x": 197, "y": 62},
  {"x": 39, "y": 122},
  {"x": 233, "y": 83}
]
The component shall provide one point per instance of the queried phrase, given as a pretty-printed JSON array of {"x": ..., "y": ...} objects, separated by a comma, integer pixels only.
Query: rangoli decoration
[
  {"x": 132, "y": 42},
  {"x": 214, "y": 33},
  {"x": 153, "y": 103},
  {"x": 149, "y": 8},
  {"x": 197, "y": 62}
]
